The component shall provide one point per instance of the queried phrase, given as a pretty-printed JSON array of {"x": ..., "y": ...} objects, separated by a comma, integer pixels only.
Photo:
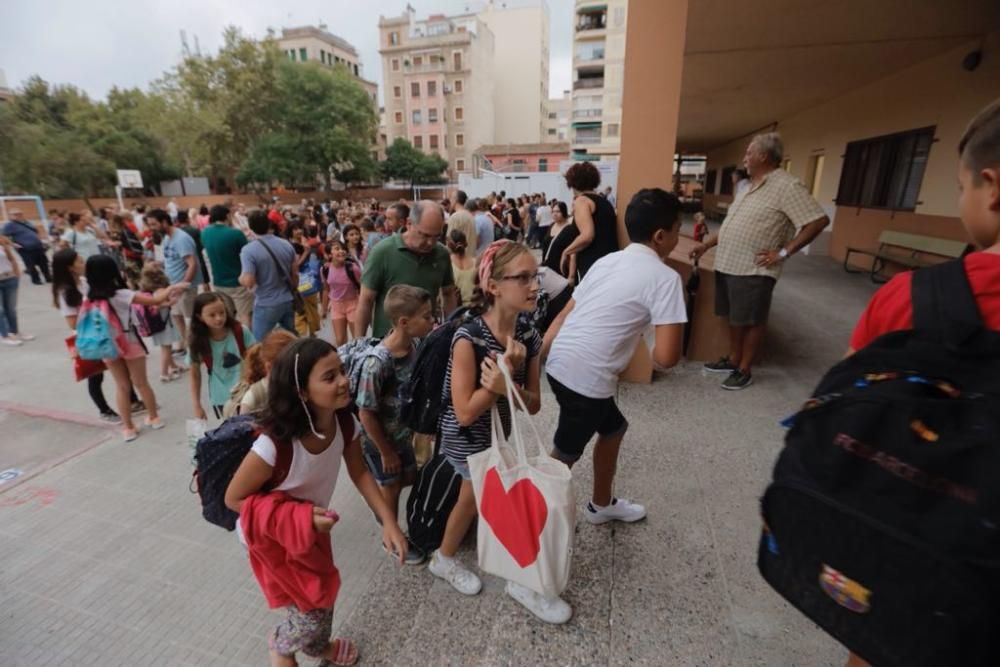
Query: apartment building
[
  {"x": 316, "y": 44},
  {"x": 520, "y": 69},
  {"x": 598, "y": 77},
  {"x": 557, "y": 117},
  {"x": 439, "y": 86}
]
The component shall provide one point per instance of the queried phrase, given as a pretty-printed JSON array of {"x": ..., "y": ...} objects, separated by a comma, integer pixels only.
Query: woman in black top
[
  {"x": 594, "y": 216},
  {"x": 565, "y": 232},
  {"x": 512, "y": 220}
]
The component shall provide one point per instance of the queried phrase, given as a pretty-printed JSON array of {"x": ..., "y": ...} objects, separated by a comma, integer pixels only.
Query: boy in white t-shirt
[{"x": 594, "y": 338}]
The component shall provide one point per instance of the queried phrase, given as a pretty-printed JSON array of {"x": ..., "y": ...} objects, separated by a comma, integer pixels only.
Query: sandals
[
  {"x": 174, "y": 374},
  {"x": 345, "y": 654}
]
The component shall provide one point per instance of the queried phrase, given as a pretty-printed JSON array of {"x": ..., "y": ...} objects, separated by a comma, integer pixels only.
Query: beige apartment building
[
  {"x": 316, "y": 44},
  {"x": 439, "y": 88},
  {"x": 598, "y": 78},
  {"x": 520, "y": 69},
  {"x": 557, "y": 117}
]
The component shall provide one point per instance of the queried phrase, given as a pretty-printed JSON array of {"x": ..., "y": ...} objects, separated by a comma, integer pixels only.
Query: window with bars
[
  {"x": 415, "y": 89},
  {"x": 434, "y": 141},
  {"x": 886, "y": 171},
  {"x": 432, "y": 115},
  {"x": 432, "y": 88}
]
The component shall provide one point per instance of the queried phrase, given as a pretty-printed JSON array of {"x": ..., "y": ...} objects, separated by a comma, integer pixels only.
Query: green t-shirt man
[
  {"x": 392, "y": 263},
  {"x": 222, "y": 244}
]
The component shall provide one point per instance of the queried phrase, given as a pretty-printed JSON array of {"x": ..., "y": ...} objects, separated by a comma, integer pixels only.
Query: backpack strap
[
  {"x": 345, "y": 422},
  {"x": 944, "y": 304},
  {"x": 240, "y": 343}
]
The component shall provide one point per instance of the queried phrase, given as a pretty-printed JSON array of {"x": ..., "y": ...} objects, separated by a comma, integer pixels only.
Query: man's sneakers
[
  {"x": 414, "y": 555},
  {"x": 461, "y": 579},
  {"x": 553, "y": 610},
  {"x": 723, "y": 365},
  {"x": 12, "y": 340},
  {"x": 619, "y": 510},
  {"x": 737, "y": 380}
]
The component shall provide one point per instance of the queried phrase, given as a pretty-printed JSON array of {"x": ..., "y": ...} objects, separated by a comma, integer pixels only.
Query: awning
[{"x": 586, "y": 123}]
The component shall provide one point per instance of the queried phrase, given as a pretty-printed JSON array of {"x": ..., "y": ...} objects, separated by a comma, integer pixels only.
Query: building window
[
  {"x": 322, "y": 56},
  {"x": 399, "y": 117},
  {"x": 415, "y": 89},
  {"x": 432, "y": 115},
  {"x": 397, "y": 91},
  {"x": 460, "y": 164},
  {"x": 418, "y": 61},
  {"x": 459, "y": 139},
  {"x": 416, "y": 117},
  {"x": 458, "y": 60},
  {"x": 458, "y": 85},
  {"x": 543, "y": 164},
  {"x": 291, "y": 54},
  {"x": 459, "y": 113},
  {"x": 432, "y": 88},
  {"x": 886, "y": 171},
  {"x": 302, "y": 55},
  {"x": 552, "y": 115},
  {"x": 552, "y": 131},
  {"x": 393, "y": 38},
  {"x": 612, "y": 129},
  {"x": 710, "y": 178},
  {"x": 726, "y": 187},
  {"x": 395, "y": 64},
  {"x": 519, "y": 164},
  {"x": 357, "y": 72},
  {"x": 418, "y": 141},
  {"x": 434, "y": 141},
  {"x": 446, "y": 141}
]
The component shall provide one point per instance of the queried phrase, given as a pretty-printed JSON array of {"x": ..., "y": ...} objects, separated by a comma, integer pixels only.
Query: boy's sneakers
[
  {"x": 737, "y": 380},
  {"x": 723, "y": 365},
  {"x": 414, "y": 555},
  {"x": 11, "y": 340},
  {"x": 461, "y": 579},
  {"x": 551, "y": 610},
  {"x": 619, "y": 510}
]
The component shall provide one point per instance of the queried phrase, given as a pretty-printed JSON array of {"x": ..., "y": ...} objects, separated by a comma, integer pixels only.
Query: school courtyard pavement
[{"x": 105, "y": 560}]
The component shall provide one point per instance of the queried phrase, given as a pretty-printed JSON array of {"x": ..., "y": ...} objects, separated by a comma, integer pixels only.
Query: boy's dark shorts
[
  {"x": 580, "y": 417},
  {"x": 743, "y": 300},
  {"x": 407, "y": 459}
]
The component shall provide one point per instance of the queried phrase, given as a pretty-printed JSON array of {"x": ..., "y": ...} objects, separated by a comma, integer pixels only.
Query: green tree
[{"x": 404, "y": 162}]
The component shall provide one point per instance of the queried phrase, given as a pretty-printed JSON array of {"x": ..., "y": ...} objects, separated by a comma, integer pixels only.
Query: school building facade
[{"x": 870, "y": 99}]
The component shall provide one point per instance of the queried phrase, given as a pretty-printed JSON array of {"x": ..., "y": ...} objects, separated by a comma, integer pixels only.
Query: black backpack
[
  {"x": 434, "y": 494},
  {"x": 422, "y": 397},
  {"x": 882, "y": 523},
  {"x": 221, "y": 451}
]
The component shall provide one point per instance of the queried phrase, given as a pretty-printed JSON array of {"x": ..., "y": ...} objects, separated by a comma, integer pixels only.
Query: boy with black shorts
[{"x": 594, "y": 338}]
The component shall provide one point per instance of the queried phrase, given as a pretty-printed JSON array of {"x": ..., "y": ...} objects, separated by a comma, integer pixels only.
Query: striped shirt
[{"x": 458, "y": 442}]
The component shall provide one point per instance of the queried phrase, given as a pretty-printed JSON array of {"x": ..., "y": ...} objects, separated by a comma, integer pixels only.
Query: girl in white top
[
  {"x": 307, "y": 387},
  {"x": 106, "y": 283}
]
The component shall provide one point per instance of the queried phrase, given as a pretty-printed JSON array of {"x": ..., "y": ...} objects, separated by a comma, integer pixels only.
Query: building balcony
[
  {"x": 589, "y": 83},
  {"x": 587, "y": 114}
]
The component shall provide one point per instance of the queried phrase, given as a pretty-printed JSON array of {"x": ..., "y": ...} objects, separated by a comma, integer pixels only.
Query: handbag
[
  {"x": 83, "y": 368},
  {"x": 526, "y": 506},
  {"x": 298, "y": 302}
]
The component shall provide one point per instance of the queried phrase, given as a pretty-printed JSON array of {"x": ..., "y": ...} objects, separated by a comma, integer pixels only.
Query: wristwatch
[{"x": 783, "y": 253}]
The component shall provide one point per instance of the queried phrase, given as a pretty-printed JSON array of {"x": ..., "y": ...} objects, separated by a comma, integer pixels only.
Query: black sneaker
[
  {"x": 723, "y": 365},
  {"x": 414, "y": 555},
  {"x": 737, "y": 380}
]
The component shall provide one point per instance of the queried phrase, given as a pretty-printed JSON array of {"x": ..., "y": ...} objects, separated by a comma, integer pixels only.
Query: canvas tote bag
[{"x": 527, "y": 510}]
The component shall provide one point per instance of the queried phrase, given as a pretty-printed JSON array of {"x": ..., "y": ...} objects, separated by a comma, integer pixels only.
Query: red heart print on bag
[{"x": 517, "y": 516}]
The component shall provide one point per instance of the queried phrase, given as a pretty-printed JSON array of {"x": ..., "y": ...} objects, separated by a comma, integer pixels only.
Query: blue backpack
[{"x": 99, "y": 331}]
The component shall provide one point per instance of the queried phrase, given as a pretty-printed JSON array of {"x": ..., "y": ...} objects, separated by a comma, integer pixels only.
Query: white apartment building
[
  {"x": 557, "y": 117},
  {"x": 315, "y": 44},
  {"x": 598, "y": 77}
]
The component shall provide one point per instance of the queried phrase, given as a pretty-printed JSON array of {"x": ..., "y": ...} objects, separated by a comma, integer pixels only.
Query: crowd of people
[{"x": 549, "y": 286}]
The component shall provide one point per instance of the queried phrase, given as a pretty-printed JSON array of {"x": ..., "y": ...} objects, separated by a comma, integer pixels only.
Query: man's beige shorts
[
  {"x": 185, "y": 304},
  {"x": 242, "y": 297}
]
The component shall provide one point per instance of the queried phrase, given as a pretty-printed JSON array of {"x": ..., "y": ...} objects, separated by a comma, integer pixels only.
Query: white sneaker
[
  {"x": 619, "y": 510},
  {"x": 551, "y": 610},
  {"x": 26, "y": 337},
  {"x": 11, "y": 340},
  {"x": 449, "y": 569}
]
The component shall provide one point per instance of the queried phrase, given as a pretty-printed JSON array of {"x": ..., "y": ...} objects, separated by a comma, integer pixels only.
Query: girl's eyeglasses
[{"x": 524, "y": 279}]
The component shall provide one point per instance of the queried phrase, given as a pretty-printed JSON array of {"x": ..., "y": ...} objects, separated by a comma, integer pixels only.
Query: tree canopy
[
  {"x": 246, "y": 114},
  {"x": 404, "y": 162}
]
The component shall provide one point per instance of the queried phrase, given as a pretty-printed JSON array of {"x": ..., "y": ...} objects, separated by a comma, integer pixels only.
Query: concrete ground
[{"x": 105, "y": 560}]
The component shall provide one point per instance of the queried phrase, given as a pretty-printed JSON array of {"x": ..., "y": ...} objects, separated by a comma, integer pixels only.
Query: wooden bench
[{"x": 905, "y": 250}]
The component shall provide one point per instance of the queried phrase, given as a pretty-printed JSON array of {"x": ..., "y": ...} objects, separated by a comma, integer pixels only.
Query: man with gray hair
[
  {"x": 776, "y": 218},
  {"x": 414, "y": 257}
]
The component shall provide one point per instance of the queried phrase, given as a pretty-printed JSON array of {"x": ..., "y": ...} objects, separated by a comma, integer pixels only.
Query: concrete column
[{"x": 651, "y": 98}]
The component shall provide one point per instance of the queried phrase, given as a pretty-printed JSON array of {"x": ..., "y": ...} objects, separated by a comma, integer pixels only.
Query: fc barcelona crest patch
[{"x": 845, "y": 592}]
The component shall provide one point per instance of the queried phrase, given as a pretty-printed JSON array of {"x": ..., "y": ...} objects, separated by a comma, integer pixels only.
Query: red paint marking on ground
[
  {"x": 34, "y": 411},
  {"x": 42, "y": 495}
]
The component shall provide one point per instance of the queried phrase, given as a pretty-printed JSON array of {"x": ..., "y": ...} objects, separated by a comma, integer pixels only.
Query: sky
[{"x": 97, "y": 44}]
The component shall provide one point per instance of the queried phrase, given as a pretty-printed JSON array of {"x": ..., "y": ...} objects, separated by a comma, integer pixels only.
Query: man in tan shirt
[{"x": 772, "y": 221}]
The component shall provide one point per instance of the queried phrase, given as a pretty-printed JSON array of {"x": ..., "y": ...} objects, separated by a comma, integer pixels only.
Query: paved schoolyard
[{"x": 104, "y": 558}]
